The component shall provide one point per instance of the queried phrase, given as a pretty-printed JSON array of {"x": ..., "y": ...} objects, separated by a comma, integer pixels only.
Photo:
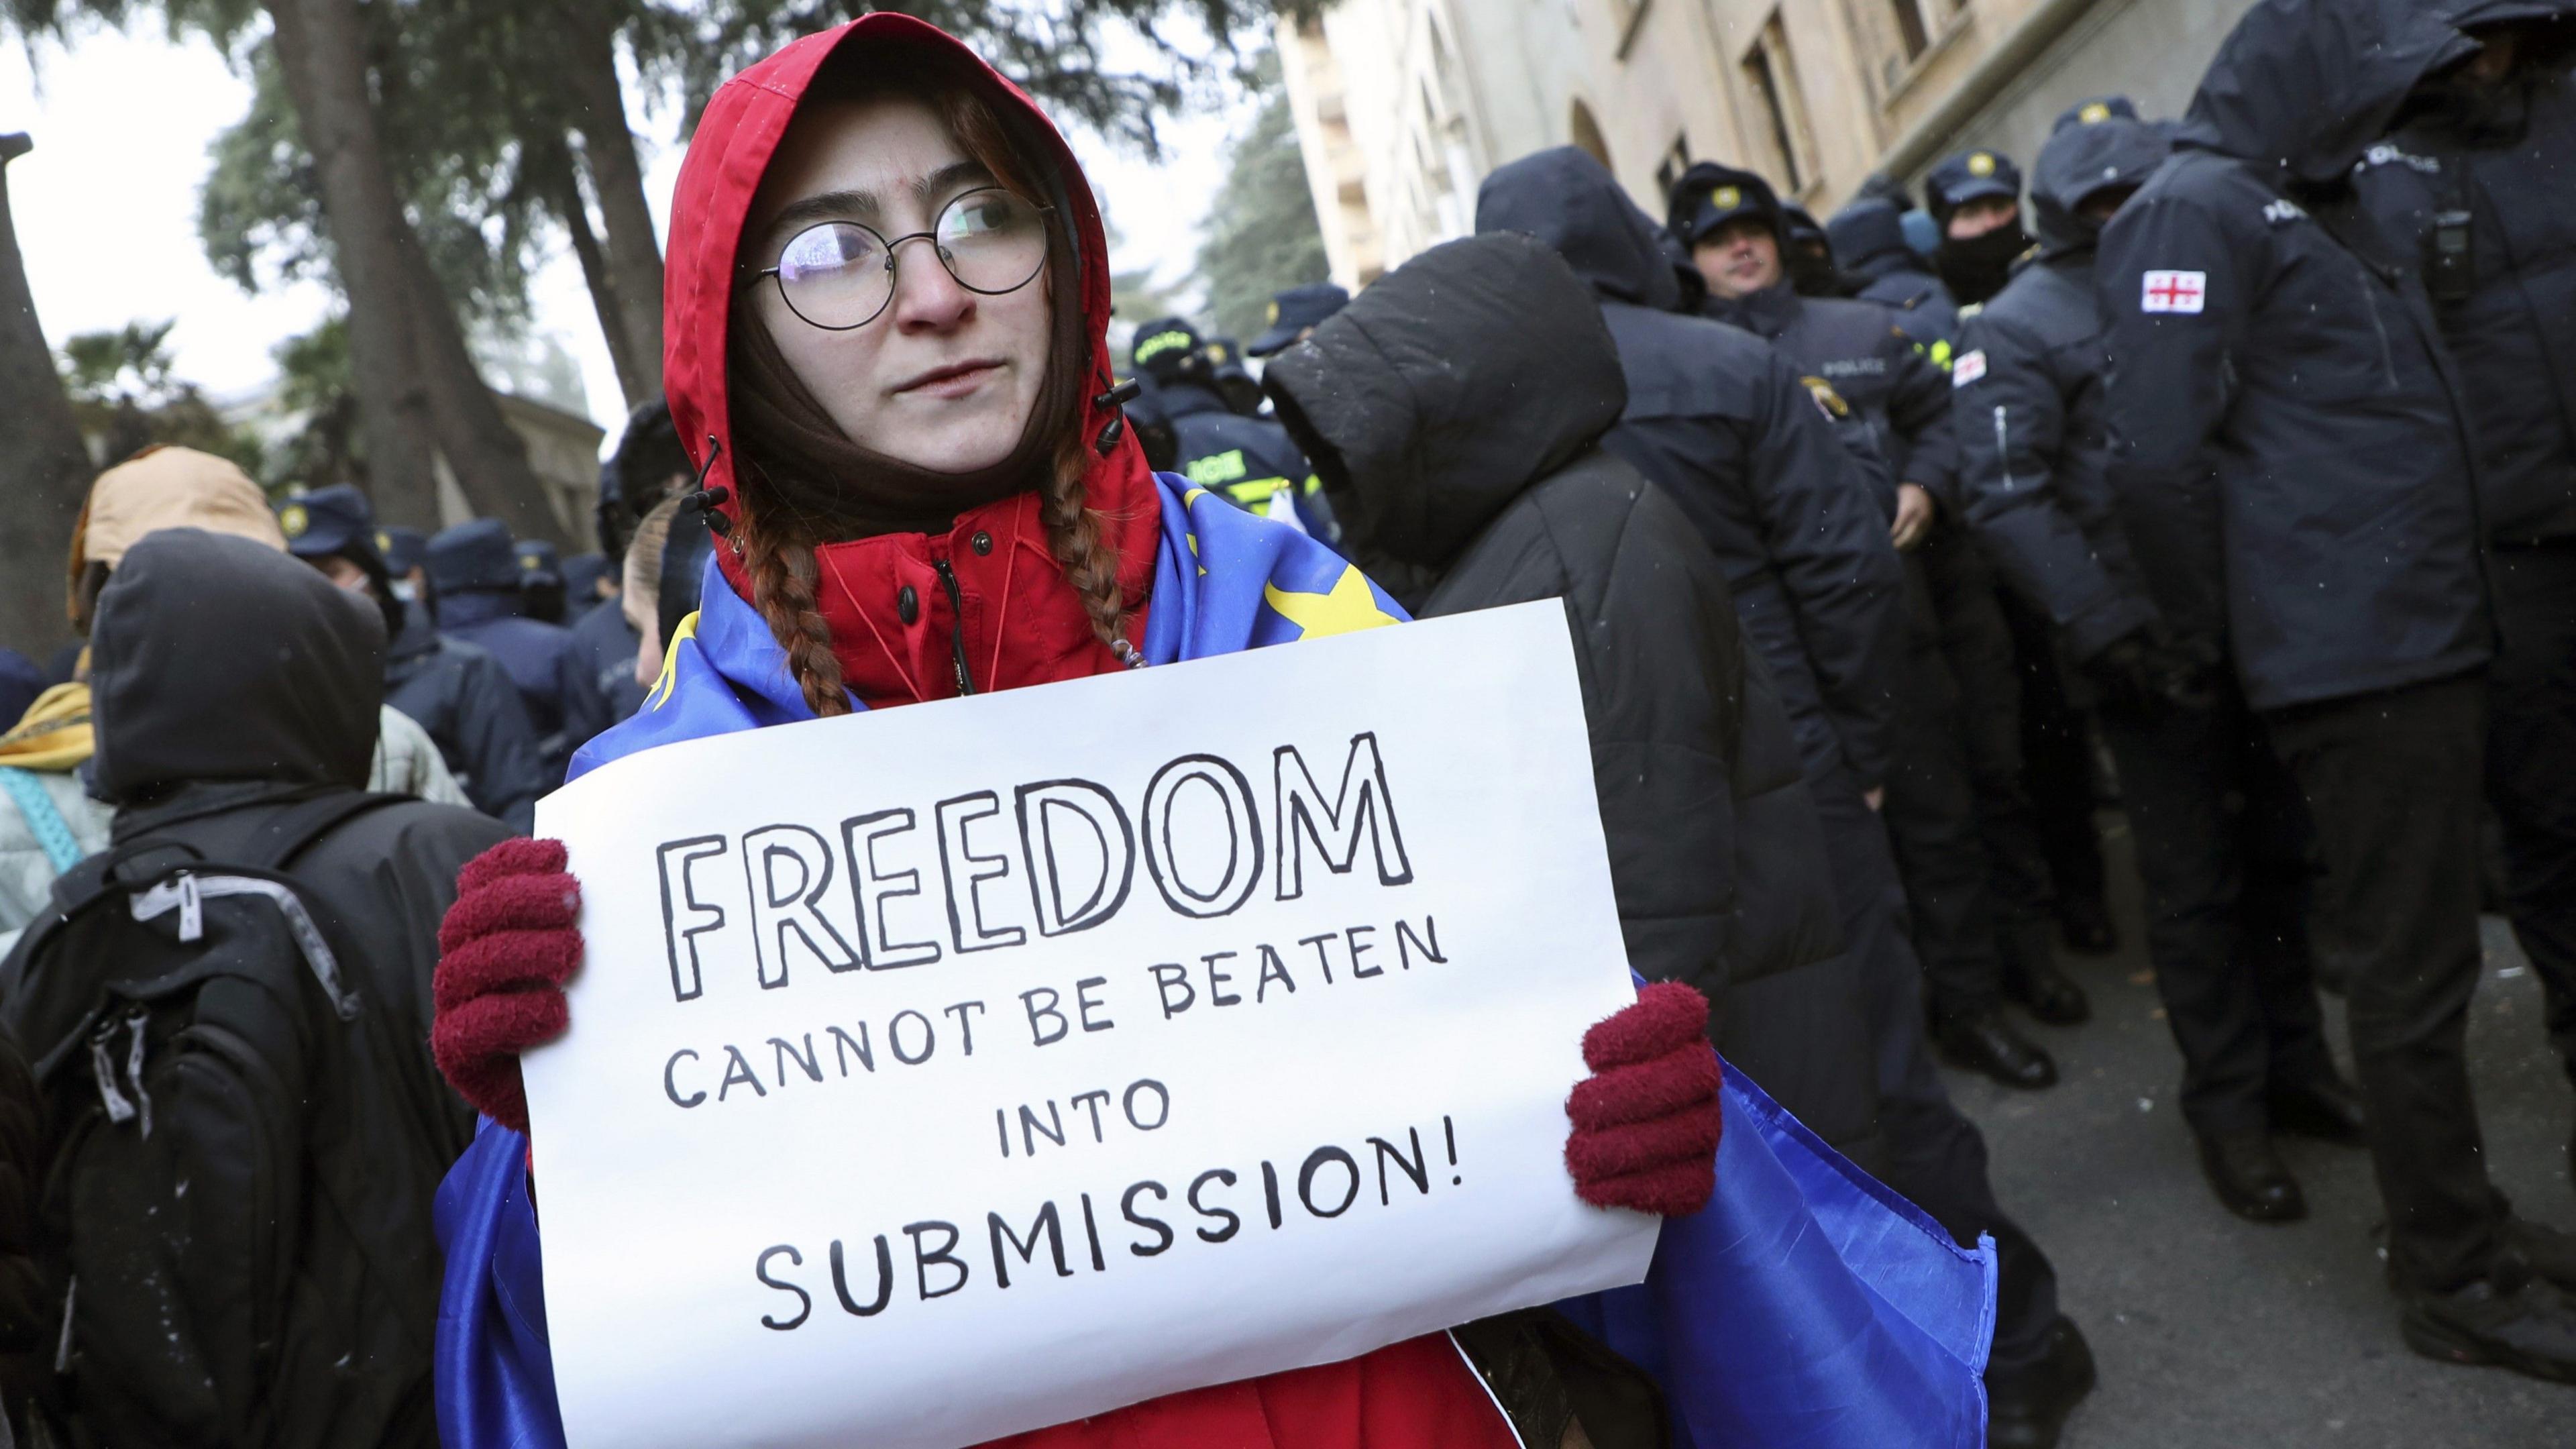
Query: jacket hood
[
  {"x": 1448, "y": 387},
  {"x": 1868, "y": 238},
  {"x": 1568, "y": 200},
  {"x": 736, "y": 137},
  {"x": 2080, "y": 160},
  {"x": 2306, "y": 86},
  {"x": 219, "y": 659}
]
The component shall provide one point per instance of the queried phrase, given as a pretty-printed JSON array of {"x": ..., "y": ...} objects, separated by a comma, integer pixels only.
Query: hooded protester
[
  {"x": 1975, "y": 199},
  {"x": 2471, "y": 189},
  {"x": 457, "y": 692},
  {"x": 2292, "y": 458},
  {"x": 926, "y": 490},
  {"x": 236, "y": 691},
  {"x": 1966, "y": 839},
  {"x": 1724, "y": 426},
  {"x": 1811, "y": 256},
  {"x": 1716, "y": 852},
  {"x": 2221, "y": 837},
  {"x": 480, "y": 578},
  {"x": 53, "y": 818},
  {"x": 1869, "y": 243},
  {"x": 1247, "y": 460}
]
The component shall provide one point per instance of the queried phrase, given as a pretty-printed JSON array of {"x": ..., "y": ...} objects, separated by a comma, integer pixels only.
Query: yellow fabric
[{"x": 54, "y": 734}]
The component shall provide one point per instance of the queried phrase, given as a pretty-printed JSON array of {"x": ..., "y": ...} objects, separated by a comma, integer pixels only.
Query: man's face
[
  {"x": 2493, "y": 64},
  {"x": 1739, "y": 258},
  {"x": 342, "y": 573},
  {"x": 1975, "y": 218}
]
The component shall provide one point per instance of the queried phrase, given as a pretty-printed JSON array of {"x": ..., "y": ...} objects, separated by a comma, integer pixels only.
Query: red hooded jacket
[{"x": 1021, "y": 624}]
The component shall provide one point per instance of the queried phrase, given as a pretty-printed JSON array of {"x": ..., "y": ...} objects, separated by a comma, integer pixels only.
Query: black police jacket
[
  {"x": 2033, "y": 450},
  {"x": 1862, "y": 351},
  {"x": 556, "y": 679},
  {"x": 1470, "y": 488},
  {"x": 462, "y": 697},
  {"x": 1245, "y": 459},
  {"x": 2510, "y": 313},
  {"x": 1869, "y": 245},
  {"x": 2289, "y": 450},
  {"x": 1722, "y": 423}
]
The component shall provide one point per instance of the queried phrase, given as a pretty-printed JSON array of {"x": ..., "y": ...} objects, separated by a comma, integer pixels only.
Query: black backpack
[{"x": 232, "y": 1211}]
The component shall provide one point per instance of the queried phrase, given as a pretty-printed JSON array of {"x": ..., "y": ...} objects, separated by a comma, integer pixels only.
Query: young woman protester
[{"x": 886, "y": 308}]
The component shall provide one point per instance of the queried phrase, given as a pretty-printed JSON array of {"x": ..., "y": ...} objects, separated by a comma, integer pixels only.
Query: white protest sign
[{"x": 957, "y": 1070}]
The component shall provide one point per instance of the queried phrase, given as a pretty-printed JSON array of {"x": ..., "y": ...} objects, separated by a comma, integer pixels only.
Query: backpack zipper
[{"x": 956, "y": 625}]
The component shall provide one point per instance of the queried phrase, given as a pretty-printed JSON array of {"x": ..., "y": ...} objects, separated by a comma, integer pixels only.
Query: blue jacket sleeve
[
  {"x": 2012, "y": 427},
  {"x": 2167, "y": 393}
]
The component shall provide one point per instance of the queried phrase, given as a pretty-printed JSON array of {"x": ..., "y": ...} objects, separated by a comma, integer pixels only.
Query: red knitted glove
[
  {"x": 504, "y": 952},
  {"x": 1646, "y": 1121}
]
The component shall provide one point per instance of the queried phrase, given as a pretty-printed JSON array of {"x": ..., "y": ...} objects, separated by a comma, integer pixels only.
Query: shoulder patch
[
  {"x": 1828, "y": 401},
  {"x": 2282, "y": 213},
  {"x": 1970, "y": 366},
  {"x": 2173, "y": 292}
]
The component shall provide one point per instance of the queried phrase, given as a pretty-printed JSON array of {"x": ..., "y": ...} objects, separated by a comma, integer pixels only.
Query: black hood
[
  {"x": 2082, "y": 159},
  {"x": 1445, "y": 389},
  {"x": 2307, "y": 85},
  {"x": 1570, "y": 201},
  {"x": 217, "y": 658},
  {"x": 1868, "y": 238}
]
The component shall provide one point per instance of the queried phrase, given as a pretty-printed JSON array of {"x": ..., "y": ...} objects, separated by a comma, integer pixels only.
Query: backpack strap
[
  {"x": 44, "y": 819},
  {"x": 285, "y": 834}
]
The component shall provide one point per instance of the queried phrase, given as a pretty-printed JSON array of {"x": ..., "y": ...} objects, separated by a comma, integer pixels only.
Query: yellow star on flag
[{"x": 1349, "y": 608}]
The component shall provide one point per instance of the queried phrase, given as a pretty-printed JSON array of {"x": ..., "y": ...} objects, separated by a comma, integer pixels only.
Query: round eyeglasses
[{"x": 837, "y": 275}]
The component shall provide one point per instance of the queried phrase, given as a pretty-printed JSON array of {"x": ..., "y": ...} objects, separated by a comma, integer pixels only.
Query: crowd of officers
[{"x": 2227, "y": 468}]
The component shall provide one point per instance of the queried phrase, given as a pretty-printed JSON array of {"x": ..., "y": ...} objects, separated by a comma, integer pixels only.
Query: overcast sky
[{"x": 106, "y": 206}]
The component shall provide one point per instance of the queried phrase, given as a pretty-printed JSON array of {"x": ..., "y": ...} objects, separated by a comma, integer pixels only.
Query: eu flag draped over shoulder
[{"x": 1806, "y": 1307}]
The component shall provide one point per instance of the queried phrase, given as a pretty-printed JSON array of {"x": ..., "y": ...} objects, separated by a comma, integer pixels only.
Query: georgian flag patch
[
  {"x": 1969, "y": 367},
  {"x": 2174, "y": 292}
]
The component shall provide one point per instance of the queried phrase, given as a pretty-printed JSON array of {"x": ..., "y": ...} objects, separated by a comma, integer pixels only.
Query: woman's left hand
[{"x": 1646, "y": 1122}]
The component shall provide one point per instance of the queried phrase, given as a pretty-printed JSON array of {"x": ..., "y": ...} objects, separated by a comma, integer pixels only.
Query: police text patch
[
  {"x": 2174, "y": 292},
  {"x": 1969, "y": 367}
]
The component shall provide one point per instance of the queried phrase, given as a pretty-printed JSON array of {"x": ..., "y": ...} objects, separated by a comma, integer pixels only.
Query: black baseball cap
[
  {"x": 1163, "y": 347},
  {"x": 404, "y": 549},
  {"x": 539, "y": 562},
  {"x": 1708, "y": 196},
  {"x": 2094, "y": 112},
  {"x": 1295, "y": 310},
  {"x": 1966, "y": 177},
  {"x": 330, "y": 521}
]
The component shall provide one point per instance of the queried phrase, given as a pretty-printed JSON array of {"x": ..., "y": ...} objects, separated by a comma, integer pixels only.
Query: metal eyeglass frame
[{"x": 1046, "y": 218}]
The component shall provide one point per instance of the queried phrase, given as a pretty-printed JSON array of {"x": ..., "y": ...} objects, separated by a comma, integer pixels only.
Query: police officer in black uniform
[
  {"x": 1727, "y": 427},
  {"x": 2294, "y": 459},
  {"x": 458, "y": 694},
  {"x": 1296, "y": 312},
  {"x": 1246, "y": 460},
  {"x": 1975, "y": 199},
  {"x": 1964, "y": 837},
  {"x": 541, "y": 580},
  {"x": 476, "y": 570},
  {"x": 1869, "y": 244},
  {"x": 2221, "y": 836},
  {"x": 2474, "y": 192}
]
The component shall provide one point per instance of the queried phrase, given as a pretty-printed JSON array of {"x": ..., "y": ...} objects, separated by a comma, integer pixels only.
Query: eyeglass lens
[{"x": 839, "y": 274}]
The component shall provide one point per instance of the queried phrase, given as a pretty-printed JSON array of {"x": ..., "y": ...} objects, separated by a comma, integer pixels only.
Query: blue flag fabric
[{"x": 1807, "y": 1307}]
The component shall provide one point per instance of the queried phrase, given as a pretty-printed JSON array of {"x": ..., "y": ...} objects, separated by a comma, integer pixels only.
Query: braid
[
  {"x": 1075, "y": 537},
  {"x": 782, "y": 588}
]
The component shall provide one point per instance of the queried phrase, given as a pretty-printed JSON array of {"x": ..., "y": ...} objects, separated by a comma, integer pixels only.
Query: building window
[
  {"x": 1587, "y": 135},
  {"x": 1911, "y": 31},
  {"x": 1771, "y": 79},
  {"x": 1677, "y": 159}
]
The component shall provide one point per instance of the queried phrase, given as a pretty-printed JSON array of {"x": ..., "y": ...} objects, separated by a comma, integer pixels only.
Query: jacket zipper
[
  {"x": 956, "y": 625},
  {"x": 2003, "y": 448},
  {"x": 2387, "y": 353}
]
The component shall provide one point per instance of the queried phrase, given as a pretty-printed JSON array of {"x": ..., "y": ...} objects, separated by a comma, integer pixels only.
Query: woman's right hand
[{"x": 506, "y": 948}]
